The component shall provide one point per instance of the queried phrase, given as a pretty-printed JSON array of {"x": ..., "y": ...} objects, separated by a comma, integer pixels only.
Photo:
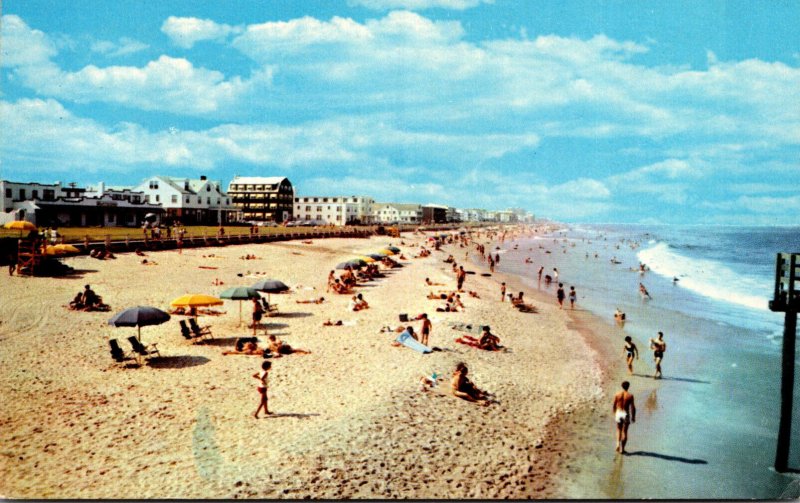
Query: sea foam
[{"x": 707, "y": 277}]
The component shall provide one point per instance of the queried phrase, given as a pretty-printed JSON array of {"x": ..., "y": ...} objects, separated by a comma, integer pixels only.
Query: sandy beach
[{"x": 350, "y": 420}]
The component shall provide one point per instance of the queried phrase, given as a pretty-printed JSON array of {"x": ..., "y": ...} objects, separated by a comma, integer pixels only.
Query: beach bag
[{"x": 404, "y": 317}]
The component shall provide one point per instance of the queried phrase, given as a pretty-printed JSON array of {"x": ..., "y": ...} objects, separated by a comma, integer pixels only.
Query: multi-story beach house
[
  {"x": 190, "y": 201},
  {"x": 473, "y": 215},
  {"x": 54, "y": 205},
  {"x": 262, "y": 198},
  {"x": 391, "y": 213},
  {"x": 337, "y": 210}
]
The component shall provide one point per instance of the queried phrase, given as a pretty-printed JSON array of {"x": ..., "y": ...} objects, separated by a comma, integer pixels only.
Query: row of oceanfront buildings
[{"x": 204, "y": 202}]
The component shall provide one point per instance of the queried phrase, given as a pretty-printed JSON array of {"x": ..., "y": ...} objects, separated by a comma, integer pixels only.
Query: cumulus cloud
[
  {"x": 187, "y": 31},
  {"x": 166, "y": 84},
  {"x": 21, "y": 45},
  {"x": 419, "y": 4}
]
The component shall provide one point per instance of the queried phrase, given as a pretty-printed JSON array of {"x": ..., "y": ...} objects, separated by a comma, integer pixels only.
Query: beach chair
[
  {"x": 142, "y": 350},
  {"x": 117, "y": 353},
  {"x": 199, "y": 331}
]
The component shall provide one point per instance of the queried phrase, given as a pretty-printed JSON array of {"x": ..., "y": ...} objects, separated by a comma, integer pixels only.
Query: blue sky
[{"x": 673, "y": 112}]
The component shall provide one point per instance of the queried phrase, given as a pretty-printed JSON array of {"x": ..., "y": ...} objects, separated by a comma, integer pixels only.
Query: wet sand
[{"x": 349, "y": 419}]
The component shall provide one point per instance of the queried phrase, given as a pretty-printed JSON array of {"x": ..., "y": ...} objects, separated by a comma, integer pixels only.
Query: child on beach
[
  {"x": 262, "y": 388},
  {"x": 573, "y": 296}
]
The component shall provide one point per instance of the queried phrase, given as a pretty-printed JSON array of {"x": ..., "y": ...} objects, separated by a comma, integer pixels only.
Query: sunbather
[
  {"x": 249, "y": 348},
  {"x": 278, "y": 347},
  {"x": 463, "y": 388},
  {"x": 489, "y": 341},
  {"x": 311, "y": 301}
]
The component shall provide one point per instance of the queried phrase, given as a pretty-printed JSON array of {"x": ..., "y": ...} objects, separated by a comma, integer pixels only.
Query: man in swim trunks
[
  {"x": 659, "y": 346},
  {"x": 624, "y": 414}
]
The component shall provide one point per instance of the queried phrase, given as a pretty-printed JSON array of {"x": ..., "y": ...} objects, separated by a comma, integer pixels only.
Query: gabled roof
[{"x": 401, "y": 206}]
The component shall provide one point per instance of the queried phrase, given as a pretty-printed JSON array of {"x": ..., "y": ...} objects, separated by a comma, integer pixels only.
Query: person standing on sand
[
  {"x": 659, "y": 346},
  {"x": 258, "y": 311},
  {"x": 262, "y": 387},
  {"x": 503, "y": 292},
  {"x": 630, "y": 350},
  {"x": 560, "y": 295},
  {"x": 541, "y": 269},
  {"x": 573, "y": 296},
  {"x": 624, "y": 414},
  {"x": 427, "y": 326},
  {"x": 460, "y": 276}
]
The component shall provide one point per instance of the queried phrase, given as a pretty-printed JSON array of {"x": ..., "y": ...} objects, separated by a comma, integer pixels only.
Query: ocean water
[{"x": 708, "y": 428}]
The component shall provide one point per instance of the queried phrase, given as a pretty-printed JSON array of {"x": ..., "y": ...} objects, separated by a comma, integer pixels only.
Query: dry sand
[{"x": 349, "y": 419}]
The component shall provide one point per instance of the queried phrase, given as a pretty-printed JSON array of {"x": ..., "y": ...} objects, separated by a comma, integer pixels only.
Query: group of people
[{"x": 88, "y": 300}]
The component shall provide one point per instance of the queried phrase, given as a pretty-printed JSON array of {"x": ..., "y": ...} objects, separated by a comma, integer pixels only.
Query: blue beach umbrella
[{"x": 139, "y": 317}]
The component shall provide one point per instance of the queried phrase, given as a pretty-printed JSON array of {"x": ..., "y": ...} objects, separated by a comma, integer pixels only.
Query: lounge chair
[
  {"x": 142, "y": 350},
  {"x": 199, "y": 331},
  {"x": 117, "y": 353}
]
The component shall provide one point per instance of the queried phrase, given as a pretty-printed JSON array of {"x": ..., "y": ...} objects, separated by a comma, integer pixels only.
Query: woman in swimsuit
[
  {"x": 630, "y": 350},
  {"x": 262, "y": 387}
]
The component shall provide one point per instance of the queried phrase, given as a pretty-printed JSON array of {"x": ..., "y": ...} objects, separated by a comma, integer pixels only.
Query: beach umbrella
[
  {"x": 386, "y": 251},
  {"x": 240, "y": 293},
  {"x": 367, "y": 259},
  {"x": 357, "y": 261},
  {"x": 195, "y": 300},
  {"x": 270, "y": 286},
  {"x": 139, "y": 317},
  {"x": 376, "y": 256},
  {"x": 19, "y": 225},
  {"x": 345, "y": 265},
  {"x": 393, "y": 248},
  {"x": 61, "y": 249}
]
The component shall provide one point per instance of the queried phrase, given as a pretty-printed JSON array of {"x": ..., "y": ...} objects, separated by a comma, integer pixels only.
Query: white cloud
[
  {"x": 123, "y": 47},
  {"x": 187, "y": 31},
  {"x": 419, "y": 4},
  {"x": 21, "y": 45},
  {"x": 166, "y": 84}
]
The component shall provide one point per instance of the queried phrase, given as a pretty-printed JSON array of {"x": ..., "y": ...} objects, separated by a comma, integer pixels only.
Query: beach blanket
[{"x": 406, "y": 340}]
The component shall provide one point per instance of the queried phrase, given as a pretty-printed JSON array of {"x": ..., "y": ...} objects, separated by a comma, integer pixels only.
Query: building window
[
  {"x": 22, "y": 193},
  {"x": 199, "y": 200},
  {"x": 208, "y": 188},
  {"x": 158, "y": 198},
  {"x": 174, "y": 199},
  {"x": 34, "y": 194},
  {"x": 153, "y": 184},
  {"x": 187, "y": 200},
  {"x": 8, "y": 193},
  {"x": 208, "y": 200},
  {"x": 319, "y": 208}
]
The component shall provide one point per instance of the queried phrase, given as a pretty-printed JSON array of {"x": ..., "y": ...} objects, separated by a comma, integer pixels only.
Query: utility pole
[{"x": 786, "y": 299}]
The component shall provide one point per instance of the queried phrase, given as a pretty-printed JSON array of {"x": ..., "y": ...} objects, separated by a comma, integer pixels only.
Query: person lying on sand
[
  {"x": 320, "y": 300},
  {"x": 437, "y": 296},
  {"x": 463, "y": 388},
  {"x": 473, "y": 294},
  {"x": 431, "y": 283},
  {"x": 149, "y": 262},
  {"x": 329, "y": 323},
  {"x": 278, "y": 347},
  {"x": 248, "y": 348}
]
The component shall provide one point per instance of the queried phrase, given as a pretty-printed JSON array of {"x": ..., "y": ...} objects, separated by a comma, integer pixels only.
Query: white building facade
[
  {"x": 190, "y": 201},
  {"x": 391, "y": 213},
  {"x": 337, "y": 210}
]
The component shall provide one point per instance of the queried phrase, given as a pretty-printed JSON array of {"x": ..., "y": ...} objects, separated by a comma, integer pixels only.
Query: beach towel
[{"x": 406, "y": 340}]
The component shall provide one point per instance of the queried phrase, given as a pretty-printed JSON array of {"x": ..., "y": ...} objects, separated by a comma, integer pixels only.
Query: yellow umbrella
[
  {"x": 366, "y": 259},
  {"x": 196, "y": 300},
  {"x": 386, "y": 252},
  {"x": 20, "y": 225},
  {"x": 52, "y": 250},
  {"x": 61, "y": 249}
]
